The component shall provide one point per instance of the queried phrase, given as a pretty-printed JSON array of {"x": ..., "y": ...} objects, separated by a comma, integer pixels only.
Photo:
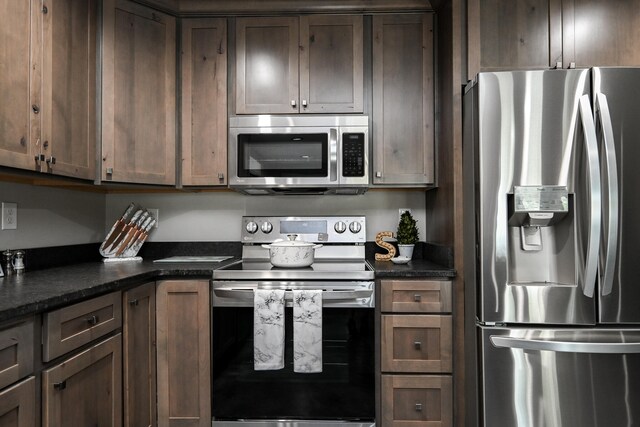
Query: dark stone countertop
[{"x": 415, "y": 268}]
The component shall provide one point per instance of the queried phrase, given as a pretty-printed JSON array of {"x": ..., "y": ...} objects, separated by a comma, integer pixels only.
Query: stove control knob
[
  {"x": 266, "y": 227},
  {"x": 251, "y": 227},
  {"x": 355, "y": 227},
  {"x": 340, "y": 227}
]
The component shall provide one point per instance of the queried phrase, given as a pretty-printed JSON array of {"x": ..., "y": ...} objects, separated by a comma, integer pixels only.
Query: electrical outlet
[
  {"x": 156, "y": 215},
  {"x": 9, "y": 216},
  {"x": 401, "y": 211}
]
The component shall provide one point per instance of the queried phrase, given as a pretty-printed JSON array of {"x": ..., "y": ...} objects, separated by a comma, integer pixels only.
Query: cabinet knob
[
  {"x": 378, "y": 174},
  {"x": 23, "y": 141},
  {"x": 293, "y": 103},
  {"x": 417, "y": 345},
  {"x": 221, "y": 176},
  {"x": 60, "y": 386},
  {"x": 133, "y": 302},
  {"x": 109, "y": 171},
  {"x": 304, "y": 103},
  {"x": 51, "y": 160},
  {"x": 417, "y": 297},
  {"x": 93, "y": 320},
  {"x": 45, "y": 10},
  {"x": 418, "y": 407},
  {"x": 35, "y": 108}
]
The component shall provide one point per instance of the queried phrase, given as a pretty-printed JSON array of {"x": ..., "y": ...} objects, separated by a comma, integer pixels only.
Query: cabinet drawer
[
  {"x": 416, "y": 296},
  {"x": 70, "y": 327},
  {"x": 16, "y": 352},
  {"x": 419, "y": 343},
  {"x": 417, "y": 400},
  {"x": 18, "y": 404}
]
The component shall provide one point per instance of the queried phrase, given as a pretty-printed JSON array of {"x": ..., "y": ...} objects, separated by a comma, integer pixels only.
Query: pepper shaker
[{"x": 7, "y": 262}]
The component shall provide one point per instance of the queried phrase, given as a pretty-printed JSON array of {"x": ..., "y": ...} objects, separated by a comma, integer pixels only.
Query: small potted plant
[{"x": 407, "y": 234}]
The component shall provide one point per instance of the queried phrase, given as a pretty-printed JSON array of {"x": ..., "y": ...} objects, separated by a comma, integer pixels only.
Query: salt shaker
[{"x": 18, "y": 261}]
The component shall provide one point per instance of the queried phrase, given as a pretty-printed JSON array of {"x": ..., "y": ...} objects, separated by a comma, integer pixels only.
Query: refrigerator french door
[{"x": 550, "y": 169}]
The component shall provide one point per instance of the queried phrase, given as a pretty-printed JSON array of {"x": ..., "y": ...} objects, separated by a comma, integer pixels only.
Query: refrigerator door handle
[
  {"x": 591, "y": 260},
  {"x": 565, "y": 346},
  {"x": 611, "y": 238}
]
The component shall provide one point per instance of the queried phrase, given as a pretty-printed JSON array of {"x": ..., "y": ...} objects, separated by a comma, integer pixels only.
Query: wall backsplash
[
  {"x": 52, "y": 217},
  {"x": 216, "y": 216}
]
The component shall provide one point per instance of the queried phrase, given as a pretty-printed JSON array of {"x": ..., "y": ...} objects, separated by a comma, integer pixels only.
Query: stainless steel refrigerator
[{"x": 552, "y": 248}]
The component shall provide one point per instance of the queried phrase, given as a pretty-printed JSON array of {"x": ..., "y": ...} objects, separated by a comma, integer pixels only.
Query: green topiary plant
[{"x": 407, "y": 233}]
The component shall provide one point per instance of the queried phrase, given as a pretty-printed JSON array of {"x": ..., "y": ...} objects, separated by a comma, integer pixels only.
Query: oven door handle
[{"x": 247, "y": 294}]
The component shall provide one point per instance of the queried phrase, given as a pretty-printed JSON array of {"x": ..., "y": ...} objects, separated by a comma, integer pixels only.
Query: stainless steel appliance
[
  {"x": 299, "y": 154},
  {"x": 550, "y": 161},
  {"x": 344, "y": 393}
]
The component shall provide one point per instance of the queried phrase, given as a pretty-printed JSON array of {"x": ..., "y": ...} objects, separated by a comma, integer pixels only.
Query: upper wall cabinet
[
  {"x": 138, "y": 94},
  {"x": 403, "y": 100},
  {"x": 47, "y": 80},
  {"x": 535, "y": 34},
  {"x": 204, "y": 101},
  {"x": 310, "y": 64}
]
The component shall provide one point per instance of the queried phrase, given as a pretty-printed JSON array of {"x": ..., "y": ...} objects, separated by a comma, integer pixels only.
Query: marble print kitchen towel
[
  {"x": 268, "y": 329},
  {"x": 307, "y": 331}
]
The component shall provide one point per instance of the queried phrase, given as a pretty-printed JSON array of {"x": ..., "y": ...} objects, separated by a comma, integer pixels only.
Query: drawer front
[
  {"x": 70, "y": 327},
  {"x": 18, "y": 404},
  {"x": 416, "y": 296},
  {"x": 417, "y": 401},
  {"x": 16, "y": 352},
  {"x": 416, "y": 343}
]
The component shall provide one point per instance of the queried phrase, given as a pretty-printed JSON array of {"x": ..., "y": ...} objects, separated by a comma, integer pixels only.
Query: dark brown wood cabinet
[
  {"x": 539, "y": 34},
  {"x": 18, "y": 404},
  {"x": 138, "y": 94},
  {"x": 184, "y": 356},
  {"x": 204, "y": 101},
  {"x": 403, "y": 100},
  {"x": 416, "y": 353},
  {"x": 310, "y": 64},
  {"x": 139, "y": 356}
]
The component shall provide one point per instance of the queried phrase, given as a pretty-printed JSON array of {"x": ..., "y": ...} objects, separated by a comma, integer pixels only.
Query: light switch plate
[{"x": 9, "y": 216}]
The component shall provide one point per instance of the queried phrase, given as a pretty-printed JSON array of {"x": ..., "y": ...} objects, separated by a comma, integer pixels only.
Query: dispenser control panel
[{"x": 541, "y": 199}]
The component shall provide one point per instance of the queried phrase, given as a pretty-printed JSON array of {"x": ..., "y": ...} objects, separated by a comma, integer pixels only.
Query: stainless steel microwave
[{"x": 299, "y": 154}]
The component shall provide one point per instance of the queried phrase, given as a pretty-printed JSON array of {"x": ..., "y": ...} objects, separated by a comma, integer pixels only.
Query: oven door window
[
  {"x": 283, "y": 155},
  {"x": 344, "y": 390}
]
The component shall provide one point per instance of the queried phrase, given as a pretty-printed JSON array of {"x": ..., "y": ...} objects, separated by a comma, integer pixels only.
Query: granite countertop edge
[{"x": 45, "y": 290}]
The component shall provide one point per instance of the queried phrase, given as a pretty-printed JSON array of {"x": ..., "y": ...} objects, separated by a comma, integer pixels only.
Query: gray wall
[
  {"x": 52, "y": 217},
  {"x": 216, "y": 216}
]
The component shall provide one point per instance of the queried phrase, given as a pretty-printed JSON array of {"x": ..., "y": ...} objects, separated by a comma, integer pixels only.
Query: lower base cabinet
[
  {"x": 85, "y": 389},
  {"x": 18, "y": 405},
  {"x": 417, "y": 400},
  {"x": 184, "y": 356}
]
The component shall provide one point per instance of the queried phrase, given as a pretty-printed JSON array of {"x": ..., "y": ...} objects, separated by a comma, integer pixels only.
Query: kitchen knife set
[{"x": 128, "y": 233}]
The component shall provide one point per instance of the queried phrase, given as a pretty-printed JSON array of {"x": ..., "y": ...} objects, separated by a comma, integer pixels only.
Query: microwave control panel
[{"x": 353, "y": 154}]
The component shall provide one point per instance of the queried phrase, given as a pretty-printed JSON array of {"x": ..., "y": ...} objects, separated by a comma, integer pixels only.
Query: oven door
[
  {"x": 344, "y": 392},
  {"x": 283, "y": 157}
]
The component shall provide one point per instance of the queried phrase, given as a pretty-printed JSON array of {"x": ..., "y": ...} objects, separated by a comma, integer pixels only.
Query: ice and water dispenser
[{"x": 541, "y": 235}]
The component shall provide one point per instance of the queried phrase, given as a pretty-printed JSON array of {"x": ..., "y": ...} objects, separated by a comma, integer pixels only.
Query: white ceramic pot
[
  {"x": 291, "y": 253},
  {"x": 406, "y": 250}
]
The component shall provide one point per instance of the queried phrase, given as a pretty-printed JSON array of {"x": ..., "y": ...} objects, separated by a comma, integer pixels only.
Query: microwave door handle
[
  {"x": 611, "y": 240},
  {"x": 333, "y": 154},
  {"x": 595, "y": 211}
]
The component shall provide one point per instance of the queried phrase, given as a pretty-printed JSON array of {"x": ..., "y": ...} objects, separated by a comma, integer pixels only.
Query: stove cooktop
[{"x": 319, "y": 270}]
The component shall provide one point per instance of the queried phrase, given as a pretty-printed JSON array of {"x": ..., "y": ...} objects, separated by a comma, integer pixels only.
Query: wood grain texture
[
  {"x": 416, "y": 296},
  {"x": 204, "y": 101},
  {"x": 417, "y": 401},
  {"x": 138, "y": 94},
  {"x": 184, "y": 355},
  {"x": 69, "y": 88},
  {"x": 18, "y": 405},
  {"x": 16, "y": 352},
  {"x": 92, "y": 389},
  {"x": 251, "y": 7},
  {"x": 139, "y": 355},
  {"x": 403, "y": 100}
]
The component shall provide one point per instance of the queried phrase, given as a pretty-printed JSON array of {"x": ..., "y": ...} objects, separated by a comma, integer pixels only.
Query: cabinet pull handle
[
  {"x": 45, "y": 10},
  {"x": 304, "y": 103},
  {"x": 93, "y": 320},
  {"x": 418, "y": 407},
  {"x": 378, "y": 174},
  {"x": 51, "y": 160},
  {"x": 417, "y": 297},
  {"x": 60, "y": 386},
  {"x": 417, "y": 345},
  {"x": 133, "y": 302},
  {"x": 293, "y": 103},
  {"x": 109, "y": 171},
  {"x": 35, "y": 108},
  {"x": 221, "y": 176}
]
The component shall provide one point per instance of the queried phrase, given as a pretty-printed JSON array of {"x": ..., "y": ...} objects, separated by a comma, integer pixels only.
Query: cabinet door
[
  {"x": 18, "y": 405},
  {"x": 184, "y": 356},
  {"x": 403, "y": 99},
  {"x": 417, "y": 400},
  {"x": 20, "y": 46},
  {"x": 139, "y": 355},
  {"x": 331, "y": 64},
  {"x": 204, "y": 101},
  {"x": 267, "y": 65},
  {"x": 507, "y": 35},
  {"x": 601, "y": 33},
  {"x": 86, "y": 389},
  {"x": 138, "y": 94},
  {"x": 69, "y": 88}
]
